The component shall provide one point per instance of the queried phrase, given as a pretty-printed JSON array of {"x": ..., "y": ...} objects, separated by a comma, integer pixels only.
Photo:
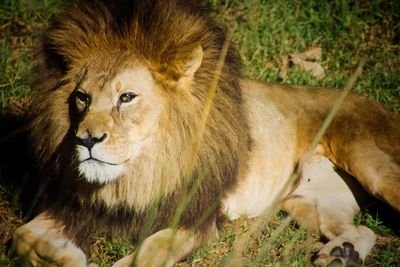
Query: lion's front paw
[
  {"x": 42, "y": 249},
  {"x": 344, "y": 255}
]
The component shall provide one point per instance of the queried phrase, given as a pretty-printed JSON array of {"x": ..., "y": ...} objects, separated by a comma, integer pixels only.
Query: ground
[{"x": 315, "y": 43}]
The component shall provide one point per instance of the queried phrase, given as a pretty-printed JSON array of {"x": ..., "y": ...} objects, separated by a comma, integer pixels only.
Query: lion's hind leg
[
  {"x": 364, "y": 141},
  {"x": 376, "y": 168},
  {"x": 324, "y": 204},
  {"x": 349, "y": 248}
]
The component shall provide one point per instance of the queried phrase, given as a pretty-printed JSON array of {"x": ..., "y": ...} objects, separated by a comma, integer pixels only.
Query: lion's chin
[{"x": 98, "y": 172}]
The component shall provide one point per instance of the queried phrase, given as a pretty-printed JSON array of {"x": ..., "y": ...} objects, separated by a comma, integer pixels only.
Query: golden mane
[{"x": 163, "y": 34}]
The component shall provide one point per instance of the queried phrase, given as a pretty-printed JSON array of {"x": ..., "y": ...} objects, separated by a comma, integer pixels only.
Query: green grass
[
  {"x": 21, "y": 22},
  {"x": 265, "y": 32},
  {"x": 269, "y": 30},
  {"x": 105, "y": 252}
]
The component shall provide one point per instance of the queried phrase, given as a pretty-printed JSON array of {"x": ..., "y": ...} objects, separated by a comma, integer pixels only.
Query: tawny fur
[{"x": 256, "y": 134}]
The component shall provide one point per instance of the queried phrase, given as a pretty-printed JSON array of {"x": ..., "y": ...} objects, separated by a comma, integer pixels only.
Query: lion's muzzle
[
  {"x": 93, "y": 163},
  {"x": 90, "y": 140}
]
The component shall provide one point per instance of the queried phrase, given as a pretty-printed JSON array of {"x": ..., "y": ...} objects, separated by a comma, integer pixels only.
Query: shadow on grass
[
  {"x": 16, "y": 162},
  {"x": 18, "y": 183},
  {"x": 381, "y": 214}
]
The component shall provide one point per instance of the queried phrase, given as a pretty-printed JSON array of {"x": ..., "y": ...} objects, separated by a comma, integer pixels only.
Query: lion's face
[{"x": 119, "y": 115}]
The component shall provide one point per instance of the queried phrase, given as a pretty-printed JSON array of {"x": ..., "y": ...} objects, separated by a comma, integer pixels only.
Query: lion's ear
[
  {"x": 193, "y": 63},
  {"x": 179, "y": 72},
  {"x": 188, "y": 67}
]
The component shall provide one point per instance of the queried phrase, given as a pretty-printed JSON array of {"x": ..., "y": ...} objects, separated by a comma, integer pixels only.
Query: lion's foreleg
[
  {"x": 41, "y": 241},
  {"x": 167, "y": 247}
]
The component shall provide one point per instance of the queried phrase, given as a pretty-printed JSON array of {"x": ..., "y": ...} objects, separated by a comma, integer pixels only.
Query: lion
[{"x": 122, "y": 148}]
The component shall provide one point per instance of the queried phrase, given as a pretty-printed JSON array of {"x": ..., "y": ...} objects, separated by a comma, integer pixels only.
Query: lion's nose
[{"x": 90, "y": 140}]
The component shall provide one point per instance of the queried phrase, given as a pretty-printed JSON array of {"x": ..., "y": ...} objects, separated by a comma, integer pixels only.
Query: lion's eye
[
  {"x": 81, "y": 96},
  {"x": 126, "y": 97}
]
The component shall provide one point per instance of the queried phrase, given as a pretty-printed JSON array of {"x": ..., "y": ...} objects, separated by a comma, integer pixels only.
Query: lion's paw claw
[{"x": 345, "y": 255}]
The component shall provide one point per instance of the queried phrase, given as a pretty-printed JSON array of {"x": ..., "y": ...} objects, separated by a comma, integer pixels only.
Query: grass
[
  {"x": 265, "y": 33},
  {"x": 20, "y": 24}
]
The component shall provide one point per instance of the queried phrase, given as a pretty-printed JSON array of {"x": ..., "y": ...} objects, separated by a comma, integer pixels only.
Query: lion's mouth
[
  {"x": 95, "y": 170},
  {"x": 91, "y": 159},
  {"x": 84, "y": 156}
]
